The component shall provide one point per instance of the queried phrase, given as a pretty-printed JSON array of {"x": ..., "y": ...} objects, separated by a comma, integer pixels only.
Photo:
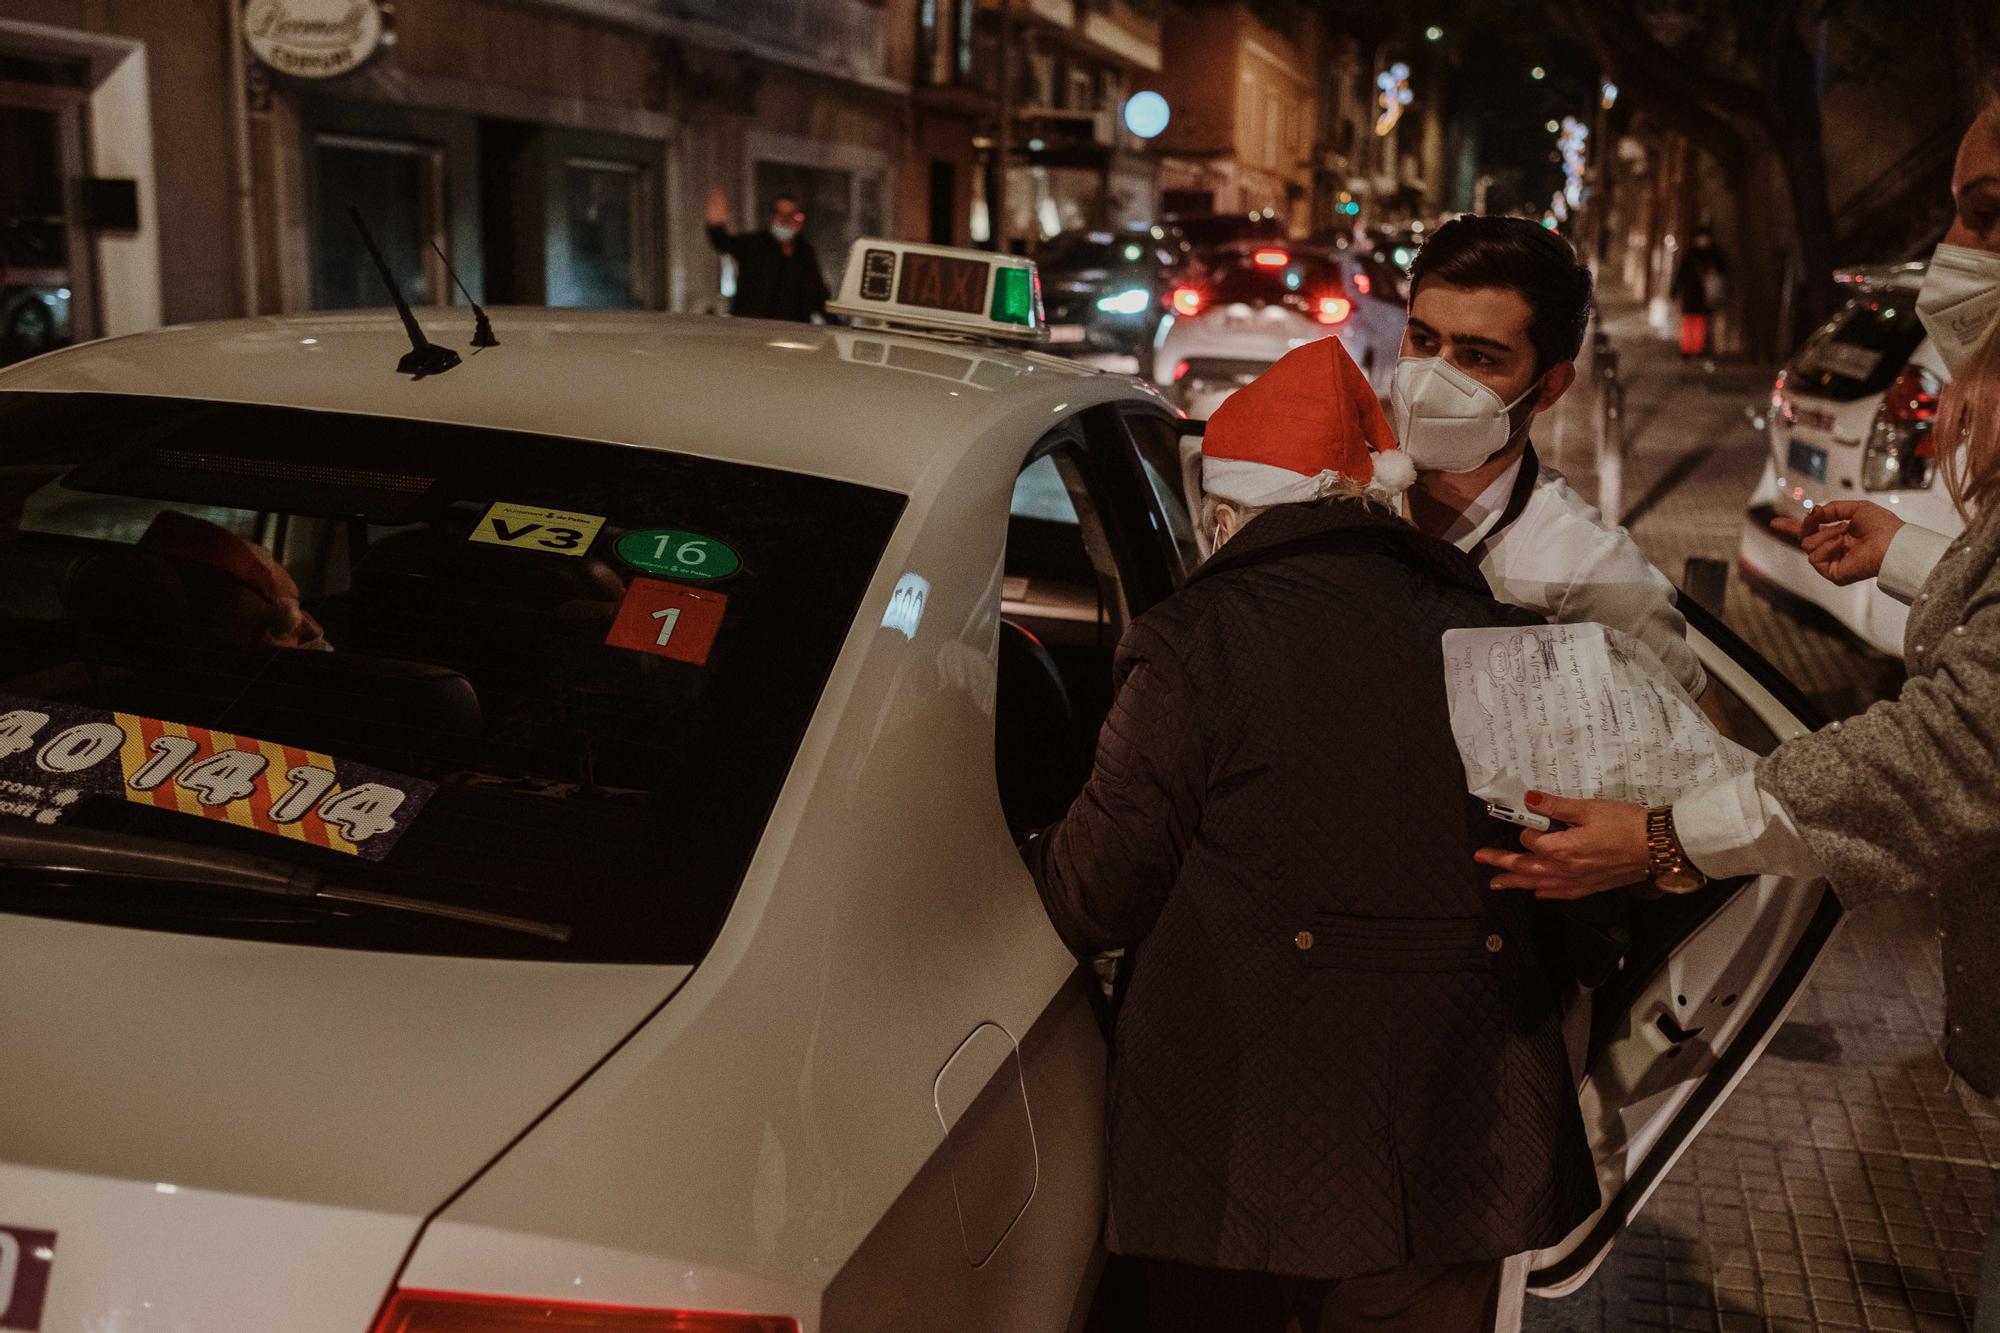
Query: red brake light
[
  {"x": 1363, "y": 284},
  {"x": 1186, "y": 301},
  {"x": 1271, "y": 259},
  {"x": 1333, "y": 309},
  {"x": 415, "y": 1311},
  {"x": 1180, "y": 371},
  {"x": 1913, "y": 397}
]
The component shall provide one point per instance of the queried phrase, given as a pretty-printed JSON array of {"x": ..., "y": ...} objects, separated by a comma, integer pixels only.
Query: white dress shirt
[
  {"x": 1562, "y": 560},
  {"x": 1735, "y": 827}
]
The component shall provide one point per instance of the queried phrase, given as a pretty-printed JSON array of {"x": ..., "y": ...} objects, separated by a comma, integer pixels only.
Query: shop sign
[{"x": 312, "y": 39}]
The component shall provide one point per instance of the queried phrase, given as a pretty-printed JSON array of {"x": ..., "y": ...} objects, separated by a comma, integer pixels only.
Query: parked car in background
[
  {"x": 34, "y": 291},
  {"x": 1201, "y": 233},
  {"x": 1234, "y": 316},
  {"x": 1105, "y": 291},
  {"x": 1850, "y": 419}
]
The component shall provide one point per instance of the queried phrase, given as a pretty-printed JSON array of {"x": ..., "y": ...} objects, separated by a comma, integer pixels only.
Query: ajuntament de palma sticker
[
  {"x": 536, "y": 528},
  {"x": 54, "y": 755},
  {"x": 678, "y": 555}
]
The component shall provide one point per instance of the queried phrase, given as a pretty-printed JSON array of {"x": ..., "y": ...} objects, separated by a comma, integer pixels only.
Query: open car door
[{"x": 1706, "y": 980}]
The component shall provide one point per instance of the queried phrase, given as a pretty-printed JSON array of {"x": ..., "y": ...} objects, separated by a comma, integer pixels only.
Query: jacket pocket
[{"x": 1402, "y": 944}]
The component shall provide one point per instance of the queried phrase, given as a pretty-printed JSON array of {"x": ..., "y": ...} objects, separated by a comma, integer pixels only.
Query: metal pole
[
  {"x": 1611, "y": 442},
  {"x": 1003, "y": 140},
  {"x": 243, "y": 182}
]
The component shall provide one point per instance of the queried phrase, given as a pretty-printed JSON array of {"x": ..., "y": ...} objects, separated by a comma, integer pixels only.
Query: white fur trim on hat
[
  {"x": 1257, "y": 485},
  {"x": 1394, "y": 472}
]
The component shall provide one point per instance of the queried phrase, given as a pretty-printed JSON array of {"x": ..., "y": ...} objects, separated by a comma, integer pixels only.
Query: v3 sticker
[
  {"x": 52, "y": 755},
  {"x": 533, "y": 528}
]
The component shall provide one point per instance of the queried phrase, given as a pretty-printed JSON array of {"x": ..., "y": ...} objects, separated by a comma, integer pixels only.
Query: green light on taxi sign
[{"x": 1014, "y": 296}]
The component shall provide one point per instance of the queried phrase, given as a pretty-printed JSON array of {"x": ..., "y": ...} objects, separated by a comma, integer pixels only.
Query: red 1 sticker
[{"x": 668, "y": 619}]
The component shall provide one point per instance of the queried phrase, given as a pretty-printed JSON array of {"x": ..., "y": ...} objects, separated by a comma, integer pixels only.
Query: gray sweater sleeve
[{"x": 1909, "y": 792}]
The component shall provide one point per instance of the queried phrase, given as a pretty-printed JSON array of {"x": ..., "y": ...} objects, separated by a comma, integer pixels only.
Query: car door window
[
  {"x": 1157, "y": 442},
  {"x": 1085, "y": 554}
]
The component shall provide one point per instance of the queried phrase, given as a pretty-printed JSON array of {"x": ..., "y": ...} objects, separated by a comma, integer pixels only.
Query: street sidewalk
[{"x": 1847, "y": 1183}]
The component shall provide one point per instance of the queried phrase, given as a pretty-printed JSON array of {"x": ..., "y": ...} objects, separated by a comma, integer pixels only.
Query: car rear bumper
[{"x": 1770, "y": 557}]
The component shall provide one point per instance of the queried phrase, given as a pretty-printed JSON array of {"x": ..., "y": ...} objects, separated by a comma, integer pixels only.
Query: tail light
[
  {"x": 414, "y": 1311},
  {"x": 1363, "y": 283},
  {"x": 1901, "y": 454},
  {"x": 1333, "y": 309},
  {"x": 1180, "y": 371},
  {"x": 1270, "y": 259},
  {"x": 1186, "y": 301}
]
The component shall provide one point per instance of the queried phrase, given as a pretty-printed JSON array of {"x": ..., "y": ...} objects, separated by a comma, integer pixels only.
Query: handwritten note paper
[{"x": 1580, "y": 710}]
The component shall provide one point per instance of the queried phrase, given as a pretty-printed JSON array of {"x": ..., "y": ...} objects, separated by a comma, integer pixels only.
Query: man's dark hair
[
  {"x": 1520, "y": 255},
  {"x": 784, "y": 197}
]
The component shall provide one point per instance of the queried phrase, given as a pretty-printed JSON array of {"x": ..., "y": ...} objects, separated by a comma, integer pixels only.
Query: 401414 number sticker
[
  {"x": 52, "y": 755},
  {"x": 678, "y": 555}
]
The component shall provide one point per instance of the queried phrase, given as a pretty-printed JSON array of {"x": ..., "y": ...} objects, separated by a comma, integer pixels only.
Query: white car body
[
  {"x": 875, "y": 1103},
  {"x": 1807, "y": 428}
]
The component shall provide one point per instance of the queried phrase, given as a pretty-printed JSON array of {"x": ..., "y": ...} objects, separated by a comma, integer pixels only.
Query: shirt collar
[{"x": 1474, "y": 525}]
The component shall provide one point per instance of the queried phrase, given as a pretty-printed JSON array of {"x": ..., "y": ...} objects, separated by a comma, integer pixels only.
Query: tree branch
[{"x": 1615, "y": 28}]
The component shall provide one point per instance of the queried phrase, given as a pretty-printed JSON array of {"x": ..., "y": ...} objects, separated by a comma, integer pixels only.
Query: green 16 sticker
[{"x": 678, "y": 555}]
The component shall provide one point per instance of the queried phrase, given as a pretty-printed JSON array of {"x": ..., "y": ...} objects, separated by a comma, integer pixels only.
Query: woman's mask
[
  {"x": 1959, "y": 302},
  {"x": 1446, "y": 420}
]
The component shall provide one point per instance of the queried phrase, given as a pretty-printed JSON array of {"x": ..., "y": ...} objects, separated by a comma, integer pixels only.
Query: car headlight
[{"x": 1129, "y": 302}]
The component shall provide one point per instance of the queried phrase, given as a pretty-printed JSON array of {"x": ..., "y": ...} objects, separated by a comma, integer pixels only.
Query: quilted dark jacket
[{"x": 1339, "y": 1053}]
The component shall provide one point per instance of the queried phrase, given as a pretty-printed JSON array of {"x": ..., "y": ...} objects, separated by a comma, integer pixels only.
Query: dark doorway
[{"x": 45, "y": 272}]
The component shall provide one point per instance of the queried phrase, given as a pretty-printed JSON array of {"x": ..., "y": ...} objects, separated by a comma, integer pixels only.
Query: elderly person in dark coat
[{"x": 1339, "y": 1089}]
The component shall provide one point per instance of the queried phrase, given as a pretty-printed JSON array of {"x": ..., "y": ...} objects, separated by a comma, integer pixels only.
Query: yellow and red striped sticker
[
  {"x": 52, "y": 755},
  {"x": 253, "y": 811}
]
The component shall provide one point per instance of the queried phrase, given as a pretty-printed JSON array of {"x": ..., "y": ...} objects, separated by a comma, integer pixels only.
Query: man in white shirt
[{"x": 1498, "y": 309}]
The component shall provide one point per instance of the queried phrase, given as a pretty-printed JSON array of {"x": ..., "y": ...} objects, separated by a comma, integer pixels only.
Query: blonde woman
[{"x": 1905, "y": 797}]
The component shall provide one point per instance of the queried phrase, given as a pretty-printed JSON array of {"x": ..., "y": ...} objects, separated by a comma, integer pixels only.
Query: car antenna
[
  {"x": 424, "y": 357},
  {"x": 482, "y": 327}
]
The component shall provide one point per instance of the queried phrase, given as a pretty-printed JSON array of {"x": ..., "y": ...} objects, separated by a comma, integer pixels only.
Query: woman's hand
[
  {"x": 1604, "y": 847},
  {"x": 1846, "y": 540}
]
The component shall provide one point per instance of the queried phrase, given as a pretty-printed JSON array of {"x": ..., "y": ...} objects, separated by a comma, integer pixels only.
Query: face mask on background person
[
  {"x": 1959, "y": 302},
  {"x": 783, "y": 233},
  {"x": 1446, "y": 420}
]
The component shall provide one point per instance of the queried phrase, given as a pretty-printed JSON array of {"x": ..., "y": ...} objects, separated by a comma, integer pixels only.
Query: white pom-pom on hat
[{"x": 1394, "y": 472}]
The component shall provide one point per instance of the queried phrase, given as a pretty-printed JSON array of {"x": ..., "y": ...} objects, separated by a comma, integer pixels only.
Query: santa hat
[
  {"x": 186, "y": 540},
  {"x": 1310, "y": 419}
]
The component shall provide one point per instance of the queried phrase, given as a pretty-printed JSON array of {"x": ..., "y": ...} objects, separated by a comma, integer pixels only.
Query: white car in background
[
  {"x": 1850, "y": 419},
  {"x": 622, "y": 928},
  {"x": 1249, "y": 303}
]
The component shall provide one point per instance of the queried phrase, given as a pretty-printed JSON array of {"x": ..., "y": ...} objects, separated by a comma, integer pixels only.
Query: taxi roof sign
[{"x": 936, "y": 288}]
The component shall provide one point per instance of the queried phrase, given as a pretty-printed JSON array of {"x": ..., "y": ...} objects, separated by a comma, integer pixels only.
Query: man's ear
[{"x": 1557, "y": 383}]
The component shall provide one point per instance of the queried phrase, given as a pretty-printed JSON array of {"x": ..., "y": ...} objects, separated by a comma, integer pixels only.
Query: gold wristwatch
[{"x": 1668, "y": 866}]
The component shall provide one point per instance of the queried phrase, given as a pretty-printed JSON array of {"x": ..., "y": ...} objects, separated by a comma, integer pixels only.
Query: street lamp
[
  {"x": 1538, "y": 74},
  {"x": 1433, "y": 33}
]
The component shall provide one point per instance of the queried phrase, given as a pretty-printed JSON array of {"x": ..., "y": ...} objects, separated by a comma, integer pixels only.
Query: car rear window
[
  {"x": 1296, "y": 283},
  {"x": 1861, "y": 350},
  {"x": 495, "y": 693}
]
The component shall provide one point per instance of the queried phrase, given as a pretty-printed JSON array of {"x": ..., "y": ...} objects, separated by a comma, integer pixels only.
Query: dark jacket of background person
[
  {"x": 1339, "y": 1053},
  {"x": 1698, "y": 282},
  {"x": 1905, "y": 798},
  {"x": 771, "y": 284}
]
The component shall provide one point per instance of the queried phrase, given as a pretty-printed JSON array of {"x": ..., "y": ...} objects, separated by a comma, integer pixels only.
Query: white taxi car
[
  {"x": 531, "y": 844},
  {"x": 1850, "y": 419}
]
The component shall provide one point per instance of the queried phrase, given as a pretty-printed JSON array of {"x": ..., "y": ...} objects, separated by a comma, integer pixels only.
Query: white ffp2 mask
[
  {"x": 1446, "y": 420},
  {"x": 1959, "y": 302}
]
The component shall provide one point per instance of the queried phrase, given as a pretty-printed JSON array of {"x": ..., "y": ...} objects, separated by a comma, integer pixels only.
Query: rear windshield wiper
[{"x": 116, "y": 856}]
